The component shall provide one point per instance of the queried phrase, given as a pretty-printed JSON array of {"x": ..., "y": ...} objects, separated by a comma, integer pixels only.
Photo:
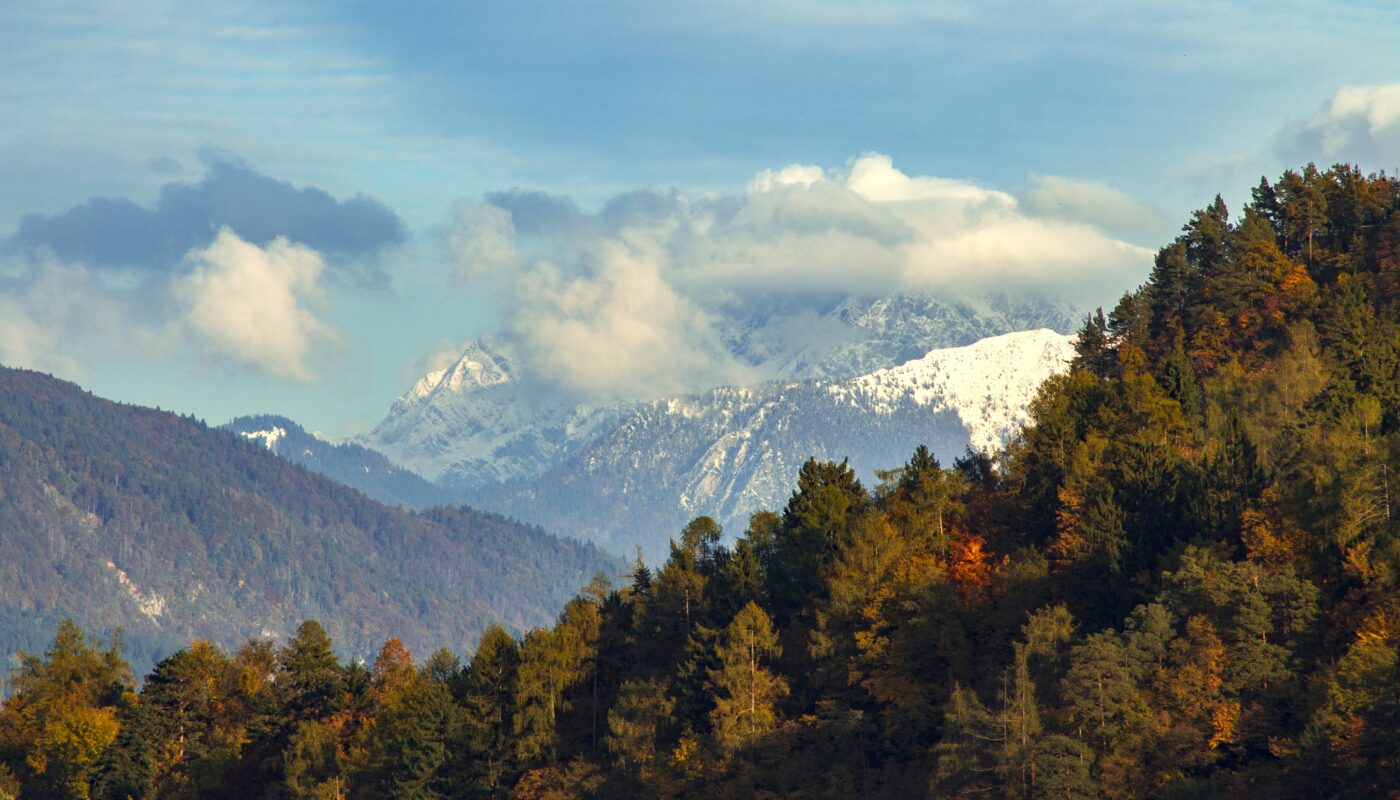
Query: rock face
[
  {"x": 731, "y": 451},
  {"x": 865, "y": 378}
]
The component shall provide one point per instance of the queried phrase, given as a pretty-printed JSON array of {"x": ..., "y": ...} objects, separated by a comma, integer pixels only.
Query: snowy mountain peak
[
  {"x": 487, "y": 419},
  {"x": 480, "y": 365},
  {"x": 478, "y": 422},
  {"x": 987, "y": 383},
  {"x": 733, "y": 450}
]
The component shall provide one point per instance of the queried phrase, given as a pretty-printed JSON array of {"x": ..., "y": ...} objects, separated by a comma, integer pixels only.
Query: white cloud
[
  {"x": 234, "y": 302},
  {"x": 872, "y": 229},
  {"x": 791, "y": 175},
  {"x": 482, "y": 240},
  {"x": 1089, "y": 202},
  {"x": 249, "y": 305},
  {"x": 622, "y": 330},
  {"x": 875, "y": 178},
  {"x": 27, "y": 342},
  {"x": 620, "y": 306},
  {"x": 1359, "y": 124},
  {"x": 58, "y": 316}
]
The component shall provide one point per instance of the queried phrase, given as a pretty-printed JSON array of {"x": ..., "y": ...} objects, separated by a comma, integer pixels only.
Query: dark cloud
[
  {"x": 642, "y": 207},
  {"x": 115, "y": 232},
  {"x": 540, "y": 215}
]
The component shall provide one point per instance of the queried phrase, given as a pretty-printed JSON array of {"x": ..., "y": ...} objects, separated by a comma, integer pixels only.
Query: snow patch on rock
[{"x": 269, "y": 438}]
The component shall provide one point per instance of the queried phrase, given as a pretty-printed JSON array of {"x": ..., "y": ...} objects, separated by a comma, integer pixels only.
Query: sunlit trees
[
  {"x": 745, "y": 689},
  {"x": 62, "y": 713}
]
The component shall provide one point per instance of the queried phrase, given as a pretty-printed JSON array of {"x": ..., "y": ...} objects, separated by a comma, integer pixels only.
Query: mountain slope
[
  {"x": 125, "y": 516},
  {"x": 355, "y": 466},
  {"x": 857, "y": 335},
  {"x": 486, "y": 420},
  {"x": 728, "y": 452},
  {"x": 480, "y": 422}
]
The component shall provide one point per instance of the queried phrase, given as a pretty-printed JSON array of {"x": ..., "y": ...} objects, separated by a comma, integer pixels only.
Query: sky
[{"x": 299, "y": 208}]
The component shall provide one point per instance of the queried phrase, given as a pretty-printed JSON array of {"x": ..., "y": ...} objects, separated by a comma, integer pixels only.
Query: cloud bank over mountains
[
  {"x": 621, "y": 302},
  {"x": 241, "y": 270},
  {"x": 1358, "y": 124},
  {"x": 230, "y": 305}
]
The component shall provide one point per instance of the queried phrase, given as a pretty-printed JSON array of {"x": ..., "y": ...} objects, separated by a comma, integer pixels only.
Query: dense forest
[
  {"x": 122, "y": 516},
  {"x": 1180, "y": 581}
]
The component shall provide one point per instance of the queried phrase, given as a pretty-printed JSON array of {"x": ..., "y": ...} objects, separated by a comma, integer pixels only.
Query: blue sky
[{"x": 153, "y": 153}]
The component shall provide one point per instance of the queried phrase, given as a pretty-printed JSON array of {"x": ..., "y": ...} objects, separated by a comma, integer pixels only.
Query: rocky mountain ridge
[
  {"x": 486, "y": 420},
  {"x": 730, "y": 451}
]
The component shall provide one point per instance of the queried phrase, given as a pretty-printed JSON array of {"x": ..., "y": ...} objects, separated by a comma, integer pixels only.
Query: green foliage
[
  {"x": 485, "y": 692},
  {"x": 62, "y": 714},
  {"x": 408, "y": 744},
  {"x": 635, "y": 722},
  {"x": 745, "y": 690}
]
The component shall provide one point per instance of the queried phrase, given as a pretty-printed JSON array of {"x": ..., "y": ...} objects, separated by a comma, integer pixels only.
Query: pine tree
[
  {"x": 635, "y": 723},
  {"x": 311, "y": 762},
  {"x": 968, "y": 752},
  {"x": 485, "y": 694},
  {"x": 408, "y": 744},
  {"x": 1303, "y": 211},
  {"x": 1093, "y": 350},
  {"x": 309, "y": 676}
]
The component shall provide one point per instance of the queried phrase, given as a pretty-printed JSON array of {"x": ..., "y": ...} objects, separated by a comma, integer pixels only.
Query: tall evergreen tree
[
  {"x": 745, "y": 690},
  {"x": 309, "y": 675}
]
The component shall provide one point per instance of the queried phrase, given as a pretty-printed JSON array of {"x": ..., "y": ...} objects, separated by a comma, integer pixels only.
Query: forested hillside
[
  {"x": 351, "y": 464},
  {"x": 1180, "y": 581},
  {"x": 120, "y": 516}
]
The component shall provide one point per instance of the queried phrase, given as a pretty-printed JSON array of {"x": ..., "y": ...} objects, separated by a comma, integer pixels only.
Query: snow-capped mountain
[
  {"x": 859, "y": 335},
  {"x": 484, "y": 420},
  {"x": 479, "y": 422},
  {"x": 728, "y": 452},
  {"x": 988, "y": 384}
]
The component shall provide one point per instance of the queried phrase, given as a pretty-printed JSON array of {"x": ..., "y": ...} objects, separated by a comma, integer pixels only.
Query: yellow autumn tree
[{"x": 63, "y": 712}]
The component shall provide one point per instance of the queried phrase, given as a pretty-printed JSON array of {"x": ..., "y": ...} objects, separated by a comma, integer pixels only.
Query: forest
[
  {"x": 114, "y": 515},
  {"x": 1179, "y": 581}
]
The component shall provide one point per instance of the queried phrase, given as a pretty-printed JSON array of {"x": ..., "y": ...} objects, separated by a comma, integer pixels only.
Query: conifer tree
[
  {"x": 745, "y": 690},
  {"x": 310, "y": 678},
  {"x": 408, "y": 744},
  {"x": 636, "y": 722},
  {"x": 485, "y": 694},
  {"x": 1093, "y": 351}
]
